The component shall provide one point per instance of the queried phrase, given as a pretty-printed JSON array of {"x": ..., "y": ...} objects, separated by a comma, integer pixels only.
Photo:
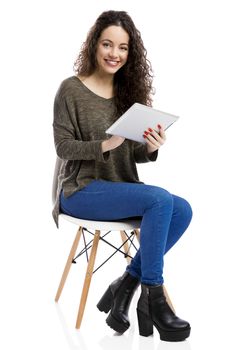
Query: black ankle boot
[
  {"x": 118, "y": 297},
  {"x": 153, "y": 309}
]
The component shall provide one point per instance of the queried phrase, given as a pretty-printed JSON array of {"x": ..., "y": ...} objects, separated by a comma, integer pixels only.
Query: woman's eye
[{"x": 122, "y": 48}]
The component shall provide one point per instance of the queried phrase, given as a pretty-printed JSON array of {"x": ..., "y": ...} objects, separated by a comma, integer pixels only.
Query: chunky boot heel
[
  {"x": 116, "y": 325},
  {"x": 145, "y": 324},
  {"x": 117, "y": 298},
  {"x": 153, "y": 310},
  {"x": 106, "y": 301}
]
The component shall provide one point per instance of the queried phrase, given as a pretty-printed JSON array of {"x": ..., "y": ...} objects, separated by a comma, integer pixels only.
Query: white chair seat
[{"x": 119, "y": 225}]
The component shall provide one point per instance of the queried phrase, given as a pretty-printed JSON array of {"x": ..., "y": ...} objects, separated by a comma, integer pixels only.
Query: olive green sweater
[{"x": 80, "y": 120}]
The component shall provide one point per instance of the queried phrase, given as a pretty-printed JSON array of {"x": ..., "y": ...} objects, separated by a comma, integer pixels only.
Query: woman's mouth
[{"x": 111, "y": 63}]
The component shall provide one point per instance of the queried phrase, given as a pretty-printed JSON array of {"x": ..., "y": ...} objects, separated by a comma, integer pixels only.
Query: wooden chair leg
[
  {"x": 125, "y": 246},
  {"x": 68, "y": 263},
  {"x": 137, "y": 232},
  {"x": 88, "y": 278}
]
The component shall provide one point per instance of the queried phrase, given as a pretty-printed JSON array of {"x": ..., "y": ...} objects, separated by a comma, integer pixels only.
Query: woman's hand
[
  {"x": 154, "y": 140},
  {"x": 116, "y": 140},
  {"x": 112, "y": 143}
]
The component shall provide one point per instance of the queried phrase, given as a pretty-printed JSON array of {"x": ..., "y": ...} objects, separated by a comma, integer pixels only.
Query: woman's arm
[
  {"x": 141, "y": 155},
  {"x": 66, "y": 144}
]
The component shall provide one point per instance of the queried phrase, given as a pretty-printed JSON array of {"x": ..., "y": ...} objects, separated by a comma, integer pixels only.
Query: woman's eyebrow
[{"x": 112, "y": 41}]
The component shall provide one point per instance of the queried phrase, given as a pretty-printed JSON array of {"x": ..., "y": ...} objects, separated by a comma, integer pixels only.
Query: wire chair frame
[{"x": 87, "y": 246}]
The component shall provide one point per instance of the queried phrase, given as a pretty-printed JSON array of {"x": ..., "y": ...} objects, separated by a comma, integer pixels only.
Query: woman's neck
[
  {"x": 102, "y": 79},
  {"x": 100, "y": 84}
]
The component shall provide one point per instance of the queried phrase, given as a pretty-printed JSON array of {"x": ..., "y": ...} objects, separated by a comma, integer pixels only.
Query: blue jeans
[{"x": 165, "y": 217}]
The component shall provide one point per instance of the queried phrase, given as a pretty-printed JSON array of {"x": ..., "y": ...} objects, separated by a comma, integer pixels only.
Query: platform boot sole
[
  {"x": 115, "y": 325},
  {"x": 145, "y": 325}
]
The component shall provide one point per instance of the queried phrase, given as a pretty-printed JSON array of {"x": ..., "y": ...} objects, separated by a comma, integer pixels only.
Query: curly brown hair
[{"x": 133, "y": 81}]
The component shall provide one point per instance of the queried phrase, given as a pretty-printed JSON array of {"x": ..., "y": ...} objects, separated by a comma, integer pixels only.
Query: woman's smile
[{"x": 111, "y": 63}]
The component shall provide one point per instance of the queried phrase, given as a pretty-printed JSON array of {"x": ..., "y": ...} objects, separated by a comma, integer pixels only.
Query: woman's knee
[
  {"x": 184, "y": 208},
  {"x": 188, "y": 210},
  {"x": 160, "y": 196}
]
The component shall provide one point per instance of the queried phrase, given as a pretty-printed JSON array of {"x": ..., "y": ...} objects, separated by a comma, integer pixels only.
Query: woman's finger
[
  {"x": 162, "y": 132},
  {"x": 153, "y": 140},
  {"x": 157, "y": 136}
]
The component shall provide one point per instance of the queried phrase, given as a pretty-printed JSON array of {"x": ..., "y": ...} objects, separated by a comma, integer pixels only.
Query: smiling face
[{"x": 112, "y": 49}]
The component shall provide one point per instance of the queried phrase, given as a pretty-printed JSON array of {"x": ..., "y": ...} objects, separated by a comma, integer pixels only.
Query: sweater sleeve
[
  {"x": 141, "y": 155},
  {"x": 66, "y": 143}
]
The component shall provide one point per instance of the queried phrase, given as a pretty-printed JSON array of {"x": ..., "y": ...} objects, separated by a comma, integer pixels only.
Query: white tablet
[{"x": 139, "y": 118}]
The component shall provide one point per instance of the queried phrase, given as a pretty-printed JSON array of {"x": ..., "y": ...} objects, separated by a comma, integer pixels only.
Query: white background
[{"x": 189, "y": 45}]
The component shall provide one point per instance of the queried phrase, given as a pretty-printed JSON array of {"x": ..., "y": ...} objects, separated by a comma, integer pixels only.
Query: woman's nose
[{"x": 113, "y": 52}]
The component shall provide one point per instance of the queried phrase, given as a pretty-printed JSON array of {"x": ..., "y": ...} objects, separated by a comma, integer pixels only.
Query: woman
[{"x": 99, "y": 180}]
